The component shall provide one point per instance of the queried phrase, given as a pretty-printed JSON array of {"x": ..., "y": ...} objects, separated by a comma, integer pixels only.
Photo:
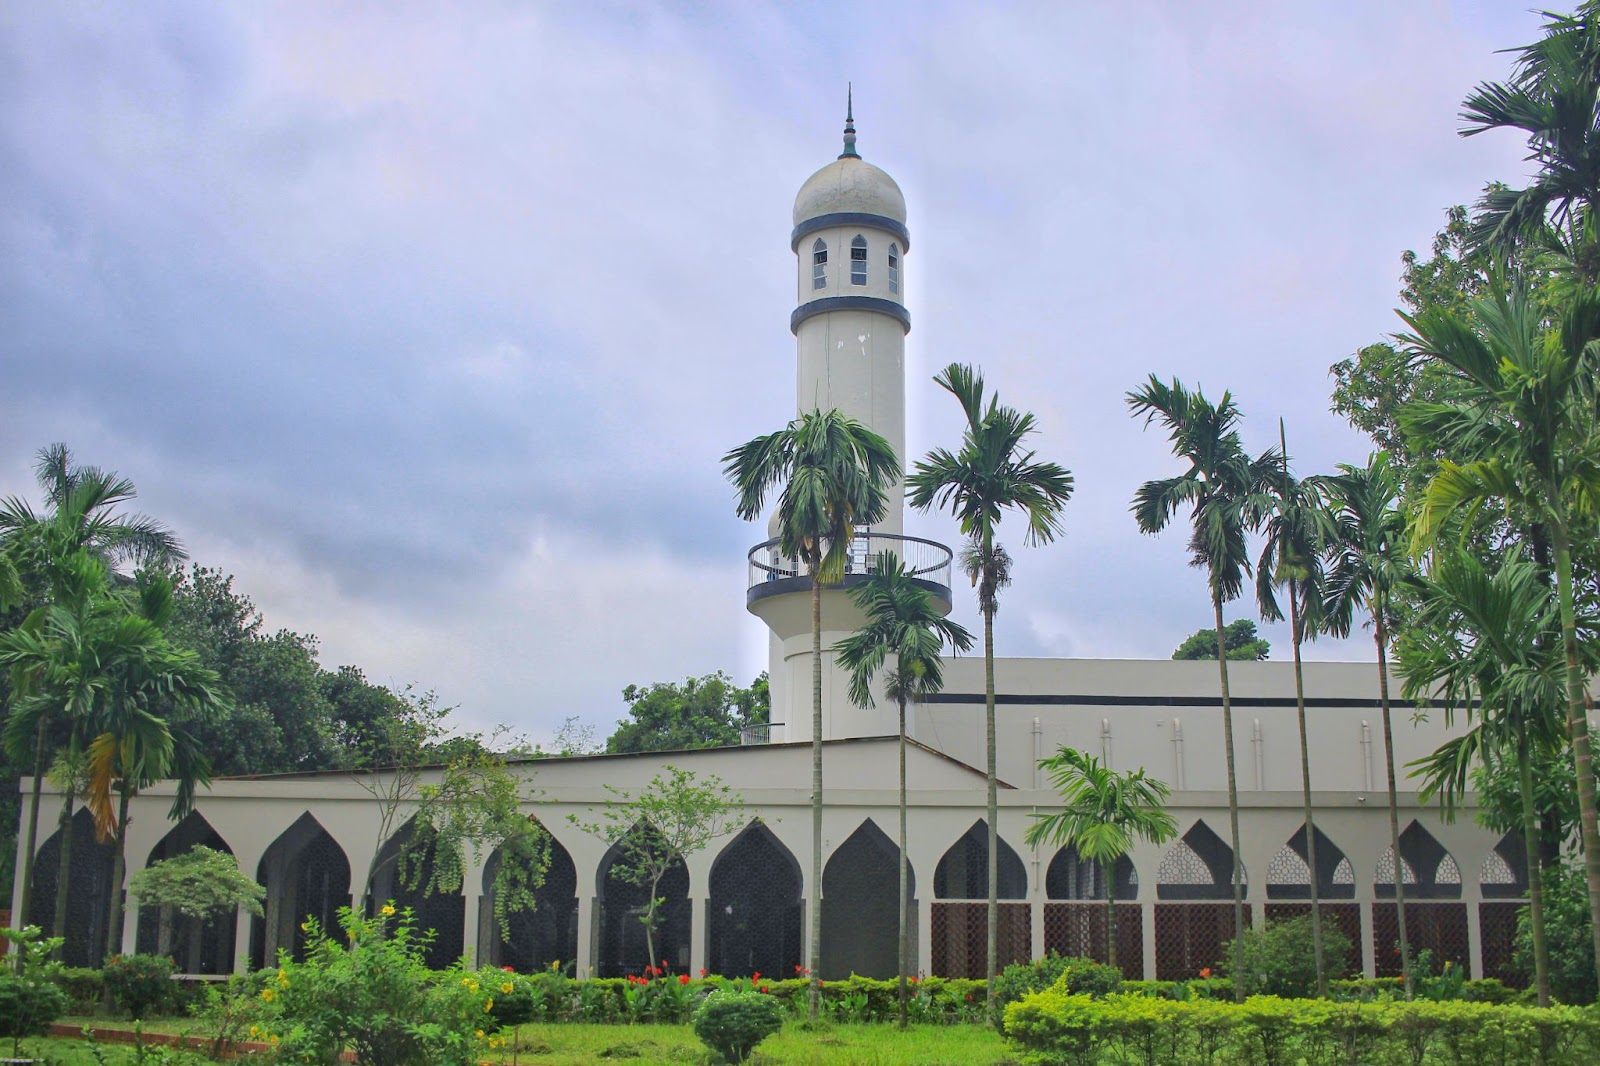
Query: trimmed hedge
[{"x": 1077, "y": 1030}]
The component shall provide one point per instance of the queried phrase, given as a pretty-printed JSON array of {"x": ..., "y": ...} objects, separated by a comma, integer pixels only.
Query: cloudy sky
[{"x": 432, "y": 327}]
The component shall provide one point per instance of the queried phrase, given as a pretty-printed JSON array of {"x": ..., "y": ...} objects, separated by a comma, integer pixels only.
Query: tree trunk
[
  {"x": 905, "y": 911},
  {"x": 1298, "y": 633},
  {"x": 1239, "y": 976},
  {"x": 164, "y": 932},
  {"x": 63, "y": 873},
  {"x": 1578, "y": 732},
  {"x": 649, "y": 921},
  {"x": 1110, "y": 876},
  {"x": 119, "y": 873},
  {"x": 1530, "y": 829},
  {"x": 814, "y": 993},
  {"x": 22, "y": 916},
  {"x": 993, "y": 956},
  {"x": 1380, "y": 634}
]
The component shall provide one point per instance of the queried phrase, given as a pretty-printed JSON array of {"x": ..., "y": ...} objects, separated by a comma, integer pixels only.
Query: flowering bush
[
  {"x": 370, "y": 991},
  {"x": 139, "y": 984}
]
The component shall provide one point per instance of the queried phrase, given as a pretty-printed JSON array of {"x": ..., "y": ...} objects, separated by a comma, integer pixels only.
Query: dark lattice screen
[
  {"x": 1200, "y": 866},
  {"x": 195, "y": 946},
  {"x": 1289, "y": 872},
  {"x": 753, "y": 917},
  {"x": 1497, "y": 925},
  {"x": 1437, "y": 927},
  {"x": 1346, "y": 917},
  {"x": 306, "y": 875},
  {"x": 441, "y": 914},
  {"x": 960, "y": 933},
  {"x": 1429, "y": 871},
  {"x": 1189, "y": 937},
  {"x": 546, "y": 934},
  {"x": 88, "y": 891},
  {"x": 1504, "y": 873},
  {"x": 624, "y": 948},
  {"x": 1070, "y": 876},
  {"x": 963, "y": 872},
  {"x": 1079, "y": 929},
  {"x": 860, "y": 917}
]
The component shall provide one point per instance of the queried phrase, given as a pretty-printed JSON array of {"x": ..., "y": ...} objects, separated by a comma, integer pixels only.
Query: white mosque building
[{"x": 742, "y": 905}]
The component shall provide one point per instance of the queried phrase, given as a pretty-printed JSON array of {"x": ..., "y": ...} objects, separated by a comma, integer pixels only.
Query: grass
[{"x": 573, "y": 1044}]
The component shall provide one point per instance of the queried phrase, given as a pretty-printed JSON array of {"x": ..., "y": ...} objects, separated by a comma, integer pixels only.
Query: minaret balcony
[{"x": 771, "y": 573}]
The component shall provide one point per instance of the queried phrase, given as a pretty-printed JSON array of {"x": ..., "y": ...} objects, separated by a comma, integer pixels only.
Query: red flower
[
  {"x": 756, "y": 976},
  {"x": 683, "y": 979},
  {"x": 663, "y": 964},
  {"x": 702, "y": 971},
  {"x": 1206, "y": 972},
  {"x": 912, "y": 979},
  {"x": 509, "y": 969}
]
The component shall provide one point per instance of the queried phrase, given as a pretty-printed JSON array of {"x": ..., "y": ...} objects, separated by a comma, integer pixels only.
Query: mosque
[{"x": 742, "y": 905}]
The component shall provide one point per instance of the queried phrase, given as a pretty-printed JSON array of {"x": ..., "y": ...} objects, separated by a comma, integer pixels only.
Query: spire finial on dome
[{"x": 849, "y": 124}]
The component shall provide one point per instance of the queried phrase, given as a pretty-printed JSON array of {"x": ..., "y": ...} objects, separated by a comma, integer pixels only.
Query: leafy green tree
[
  {"x": 1226, "y": 491},
  {"x": 835, "y": 475},
  {"x": 1526, "y": 439},
  {"x": 1369, "y": 565},
  {"x": 1102, "y": 814},
  {"x": 1486, "y": 643},
  {"x": 903, "y": 625},
  {"x": 994, "y": 471},
  {"x": 1567, "y": 925},
  {"x": 201, "y": 883},
  {"x": 702, "y": 712},
  {"x": 1241, "y": 640},
  {"x": 659, "y": 827},
  {"x": 84, "y": 514},
  {"x": 1296, "y": 533}
]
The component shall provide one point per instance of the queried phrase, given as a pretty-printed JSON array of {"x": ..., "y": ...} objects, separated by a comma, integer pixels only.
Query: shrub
[
  {"x": 81, "y": 985},
  {"x": 139, "y": 984},
  {"x": 29, "y": 999},
  {"x": 1081, "y": 975},
  {"x": 732, "y": 1023},
  {"x": 1279, "y": 959},
  {"x": 1567, "y": 932}
]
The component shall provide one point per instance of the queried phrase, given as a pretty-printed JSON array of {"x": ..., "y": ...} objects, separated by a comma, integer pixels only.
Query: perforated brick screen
[
  {"x": 1345, "y": 916},
  {"x": 1497, "y": 923},
  {"x": 1080, "y": 929},
  {"x": 1189, "y": 937},
  {"x": 960, "y": 937},
  {"x": 1437, "y": 927}
]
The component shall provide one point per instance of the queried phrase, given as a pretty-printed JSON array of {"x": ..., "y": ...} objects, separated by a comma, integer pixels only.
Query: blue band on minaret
[
  {"x": 851, "y": 218},
  {"x": 850, "y": 303}
]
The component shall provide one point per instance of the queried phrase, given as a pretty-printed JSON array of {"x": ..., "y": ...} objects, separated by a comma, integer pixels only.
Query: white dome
[{"x": 849, "y": 184}]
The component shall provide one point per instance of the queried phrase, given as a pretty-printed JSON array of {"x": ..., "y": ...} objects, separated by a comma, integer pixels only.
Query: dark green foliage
[
  {"x": 141, "y": 985},
  {"x": 733, "y": 1023},
  {"x": 1566, "y": 923},
  {"x": 702, "y": 712},
  {"x": 28, "y": 1005},
  {"x": 1243, "y": 644},
  {"x": 82, "y": 985},
  {"x": 1279, "y": 959},
  {"x": 1080, "y": 975}
]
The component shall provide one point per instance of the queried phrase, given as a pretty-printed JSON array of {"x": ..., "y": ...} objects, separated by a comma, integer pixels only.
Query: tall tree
[
  {"x": 1524, "y": 435},
  {"x": 1296, "y": 531},
  {"x": 700, "y": 712},
  {"x": 835, "y": 475},
  {"x": 1102, "y": 814},
  {"x": 84, "y": 513},
  {"x": 902, "y": 639},
  {"x": 1369, "y": 565},
  {"x": 994, "y": 471},
  {"x": 1226, "y": 491},
  {"x": 1241, "y": 640}
]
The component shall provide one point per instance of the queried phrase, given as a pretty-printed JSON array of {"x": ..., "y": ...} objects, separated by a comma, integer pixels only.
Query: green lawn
[{"x": 607, "y": 1045}]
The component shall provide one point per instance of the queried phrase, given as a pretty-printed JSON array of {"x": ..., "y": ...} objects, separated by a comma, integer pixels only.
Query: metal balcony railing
[{"x": 927, "y": 560}]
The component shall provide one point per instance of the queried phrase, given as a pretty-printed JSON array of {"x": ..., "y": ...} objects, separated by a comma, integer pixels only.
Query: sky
[{"x": 432, "y": 322}]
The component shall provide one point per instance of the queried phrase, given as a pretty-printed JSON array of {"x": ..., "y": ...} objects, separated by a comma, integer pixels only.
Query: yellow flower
[
  {"x": 479, "y": 1034},
  {"x": 267, "y": 995},
  {"x": 255, "y": 1030},
  {"x": 469, "y": 984},
  {"x": 387, "y": 911},
  {"x": 507, "y": 988},
  {"x": 305, "y": 927},
  {"x": 488, "y": 1005}
]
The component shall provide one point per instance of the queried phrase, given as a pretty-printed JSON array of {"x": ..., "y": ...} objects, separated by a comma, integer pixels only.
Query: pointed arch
[
  {"x": 1428, "y": 870},
  {"x": 894, "y": 268},
  {"x": 963, "y": 871},
  {"x": 88, "y": 898},
  {"x": 860, "y": 915},
  {"x": 753, "y": 916},
  {"x": 307, "y": 875},
  {"x": 194, "y": 945},
  {"x": 546, "y": 934},
  {"x": 444, "y": 913},
  {"x": 819, "y": 264},
  {"x": 1289, "y": 875},
  {"x": 1069, "y": 876},
  {"x": 858, "y": 260},
  {"x": 623, "y": 945},
  {"x": 1504, "y": 873},
  {"x": 1200, "y": 866}
]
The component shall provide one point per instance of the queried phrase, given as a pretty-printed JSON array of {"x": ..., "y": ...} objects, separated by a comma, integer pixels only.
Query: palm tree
[
  {"x": 1102, "y": 814},
  {"x": 902, "y": 624},
  {"x": 84, "y": 515},
  {"x": 1524, "y": 429},
  {"x": 1296, "y": 531},
  {"x": 1369, "y": 565},
  {"x": 835, "y": 475},
  {"x": 1485, "y": 644},
  {"x": 993, "y": 472},
  {"x": 1226, "y": 490}
]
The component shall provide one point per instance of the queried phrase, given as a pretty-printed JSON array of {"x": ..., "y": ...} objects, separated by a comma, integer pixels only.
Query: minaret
[{"x": 850, "y": 242}]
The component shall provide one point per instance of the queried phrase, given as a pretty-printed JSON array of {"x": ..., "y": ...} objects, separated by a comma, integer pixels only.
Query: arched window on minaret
[
  {"x": 858, "y": 260},
  {"x": 894, "y": 268},
  {"x": 819, "y": 264}
]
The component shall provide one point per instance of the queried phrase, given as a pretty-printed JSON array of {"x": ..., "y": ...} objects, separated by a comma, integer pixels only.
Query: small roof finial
[{"x": 849, "y": 124}]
